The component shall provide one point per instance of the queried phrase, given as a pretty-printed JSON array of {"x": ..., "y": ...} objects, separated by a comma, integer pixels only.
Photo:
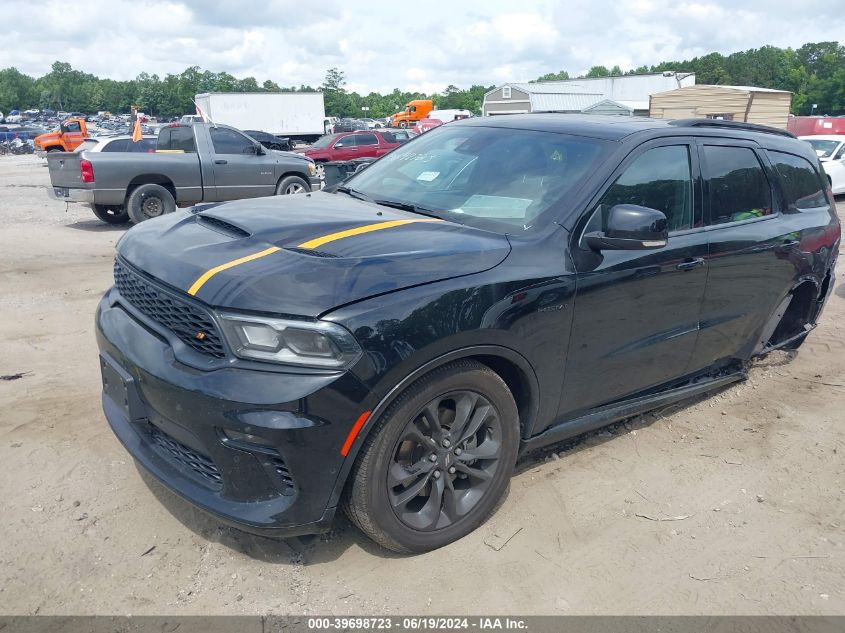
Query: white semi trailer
[{"x": 296, "y": 115}]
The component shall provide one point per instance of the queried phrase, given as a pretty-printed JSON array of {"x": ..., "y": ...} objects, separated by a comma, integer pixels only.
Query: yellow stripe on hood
[{"x": 311, "y": 244}]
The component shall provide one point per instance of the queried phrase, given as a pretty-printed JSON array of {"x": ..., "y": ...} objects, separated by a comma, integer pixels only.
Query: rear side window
[
  {"x": 120, "y": 145},
  {"x": 367, "y": 139},
  {"x": 802, "y": 185},
  {"x": 389, "y": 137},
  {"x": 177, "y": 138},
  {"x": 737, "y": 185},
  {"x": 145, "y": 145},
  {"x": 659, "y": 179}
]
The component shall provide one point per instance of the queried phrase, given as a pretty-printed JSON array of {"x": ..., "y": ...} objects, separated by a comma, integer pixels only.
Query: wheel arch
[
  {"x": 298, "y": 174},
  {"x": 511, "y": 366},
  {"x": 150, "y": 179}
]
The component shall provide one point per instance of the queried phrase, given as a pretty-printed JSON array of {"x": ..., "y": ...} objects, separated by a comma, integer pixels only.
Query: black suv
[{"x": 496, "y": 285}]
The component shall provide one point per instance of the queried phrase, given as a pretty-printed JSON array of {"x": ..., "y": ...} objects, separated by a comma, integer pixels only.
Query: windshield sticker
[
  {"x": 496, "y": 207},
  {"x": 428, "y": 176}
]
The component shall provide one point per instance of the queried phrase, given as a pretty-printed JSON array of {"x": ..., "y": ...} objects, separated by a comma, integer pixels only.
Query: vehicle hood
[
  {"x": 41, "y": 139},
  {"x": 303, "y": 254}
]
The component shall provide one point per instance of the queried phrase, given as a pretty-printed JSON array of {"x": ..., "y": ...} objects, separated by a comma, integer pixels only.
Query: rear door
[
  {"x": 368, "y": 146},
  {"x": 636, "y": 312},
  {"x": 238, "y": 171},
  {"x": 751, "y": 248}
]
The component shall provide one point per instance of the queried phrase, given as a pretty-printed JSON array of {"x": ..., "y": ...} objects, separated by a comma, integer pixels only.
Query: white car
[
  {"x": 120, "y": 143},
  {"x": 830, "y": 148}
]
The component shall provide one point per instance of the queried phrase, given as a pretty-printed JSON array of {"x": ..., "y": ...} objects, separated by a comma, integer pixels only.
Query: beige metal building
[{"x": 731, "y": 103}]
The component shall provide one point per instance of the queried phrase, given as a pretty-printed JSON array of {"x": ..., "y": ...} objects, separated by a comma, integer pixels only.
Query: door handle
[
  {"x": 691, "y": 263},
  {"x": 787, "y": 246},
  {"x": 221, "y": 161}
]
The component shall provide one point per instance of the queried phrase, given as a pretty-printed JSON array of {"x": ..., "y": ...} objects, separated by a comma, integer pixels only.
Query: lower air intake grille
[
  {"x": 187, "y": 457},
  {"x": 284, "y": 474},
  {"x": 189, "y": 322}
]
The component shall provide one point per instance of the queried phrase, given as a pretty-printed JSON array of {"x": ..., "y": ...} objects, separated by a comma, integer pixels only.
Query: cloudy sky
[{"x": 379, "y": 48}]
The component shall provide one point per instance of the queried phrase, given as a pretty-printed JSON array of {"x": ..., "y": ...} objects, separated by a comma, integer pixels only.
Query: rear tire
[
  {"x": 149, "y": 201},
  {"x": 437, "y": 462},
  {"x": 111, "y": 214},
  {"x": 291, "y": 185},
  {"x": 54, "y": 149}
]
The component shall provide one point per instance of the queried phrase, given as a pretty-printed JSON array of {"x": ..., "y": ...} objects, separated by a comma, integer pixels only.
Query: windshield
[
  {"x": 324, "y": 141},
  {"x": 824, "y": 148},
  {"x": 496, "y": 178}
]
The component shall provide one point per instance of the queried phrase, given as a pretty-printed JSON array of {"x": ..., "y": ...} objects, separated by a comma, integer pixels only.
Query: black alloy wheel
[
  {"x": 437, "y": 462},
  {"x": 444, "y": 460}
]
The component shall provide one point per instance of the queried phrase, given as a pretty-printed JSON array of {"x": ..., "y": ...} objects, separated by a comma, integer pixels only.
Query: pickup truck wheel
[
  {"x": 292, "y": 184},
  {"x": 149, "y": 201},
  {"x": 54, "y": 149},
  {"x": 111, "y": 214},
  {"x": 403, "y": 124},
  {"x": 438, "y": 462}
]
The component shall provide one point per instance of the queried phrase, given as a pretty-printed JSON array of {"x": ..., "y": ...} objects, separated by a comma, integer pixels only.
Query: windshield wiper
[
  {"x": 409, "y": 206},
  {"x": 354, "y": 193}
]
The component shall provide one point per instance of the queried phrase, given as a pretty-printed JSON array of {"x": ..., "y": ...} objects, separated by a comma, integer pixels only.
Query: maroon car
[{"x": 349, "y": 145}]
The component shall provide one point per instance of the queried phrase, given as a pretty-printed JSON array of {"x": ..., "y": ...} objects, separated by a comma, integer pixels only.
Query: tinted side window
[
  {"x": 389, "y": 137},
  {"x": 145, "y": 145},
  {"x": 73, "y": 126},
  {"x": 120, "y": 145},
  {"x": 367, "y": 139},
  {"x": 738, "y": 188},
  {"x": 659, "y": 179},
  {"x": 347, "y": 141},
  {"x": 177, "y": 138},
  {"x": 802, "y": 185},
  {"x": 228, "y": 141}
]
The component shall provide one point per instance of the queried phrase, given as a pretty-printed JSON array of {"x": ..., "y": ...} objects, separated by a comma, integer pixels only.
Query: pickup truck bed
[{"x": 216, "y": 163}]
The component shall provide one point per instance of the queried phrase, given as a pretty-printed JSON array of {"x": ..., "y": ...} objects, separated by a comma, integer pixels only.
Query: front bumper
[
  {"x": 182, "y": 424},
  {"x": 67, "y": 194},
  {"x": 315, "y": 182}
]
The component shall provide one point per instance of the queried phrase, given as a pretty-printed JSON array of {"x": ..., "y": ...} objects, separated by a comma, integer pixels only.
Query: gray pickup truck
[{"x": 199, "y": 162}]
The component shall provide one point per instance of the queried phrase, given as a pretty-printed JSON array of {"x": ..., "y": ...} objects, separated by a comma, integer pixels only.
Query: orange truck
[
  {"x": 71, "y": 133},
  {"x": 414, "y": 111}
]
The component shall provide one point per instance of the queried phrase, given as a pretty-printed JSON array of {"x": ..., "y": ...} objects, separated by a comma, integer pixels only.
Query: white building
[{"x": 627, "y": 94}]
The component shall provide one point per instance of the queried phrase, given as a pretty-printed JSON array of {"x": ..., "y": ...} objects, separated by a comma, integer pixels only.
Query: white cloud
[{"x": 446, "y": 43}]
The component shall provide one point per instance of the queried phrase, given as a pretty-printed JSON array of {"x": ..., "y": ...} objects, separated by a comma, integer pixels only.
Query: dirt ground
[{"x": 732, "y": 504}]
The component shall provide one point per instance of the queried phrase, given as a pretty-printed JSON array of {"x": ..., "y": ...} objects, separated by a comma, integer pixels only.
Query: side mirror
[{"x": 631, "y": 227}]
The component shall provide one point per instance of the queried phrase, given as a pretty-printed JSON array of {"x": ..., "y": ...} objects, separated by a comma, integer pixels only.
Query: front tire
[
  {"x": 111, "y": 214},
  {"x": 438, "y": 460},
  {"x": 149, "y": 201},
  {"x": 291, "y": 185}
]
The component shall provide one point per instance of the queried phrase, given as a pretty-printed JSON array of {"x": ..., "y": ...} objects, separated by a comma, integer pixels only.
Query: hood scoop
[
  {"x": 310, "y": 252},
  {"x": 221, "y": 226}
]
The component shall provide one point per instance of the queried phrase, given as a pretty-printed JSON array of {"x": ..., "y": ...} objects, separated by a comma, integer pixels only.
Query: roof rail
[{"x": 731, "y": 125}]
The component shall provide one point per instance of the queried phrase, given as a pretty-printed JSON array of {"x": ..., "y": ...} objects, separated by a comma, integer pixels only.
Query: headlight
[
  {"x": 312, "y": 169},
  {"x": 290, "y": 342}
]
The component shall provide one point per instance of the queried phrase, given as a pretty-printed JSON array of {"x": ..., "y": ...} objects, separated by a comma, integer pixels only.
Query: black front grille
[
  {"x": 187, "y": 457},
  {"x": 189, "y": 322}
]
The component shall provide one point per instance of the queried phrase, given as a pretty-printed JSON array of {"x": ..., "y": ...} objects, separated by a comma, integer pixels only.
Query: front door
[
  {"x": 72, "y": 134},
  {"x": 238, "y": 171},
  {"x": 345, "y": 148},
  {"x": 636, "y": 313}
]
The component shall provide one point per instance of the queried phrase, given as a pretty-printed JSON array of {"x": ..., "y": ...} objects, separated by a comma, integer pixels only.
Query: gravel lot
[{"x": 731, "y": 504}]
